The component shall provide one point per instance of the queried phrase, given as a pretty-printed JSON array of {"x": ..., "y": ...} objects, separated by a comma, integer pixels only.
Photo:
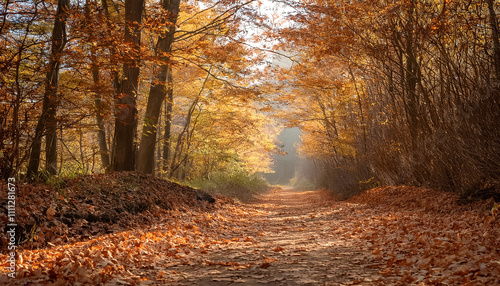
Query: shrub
[
  {"x": 302, "y": 184},
  {"x": 238, "y": 185}
]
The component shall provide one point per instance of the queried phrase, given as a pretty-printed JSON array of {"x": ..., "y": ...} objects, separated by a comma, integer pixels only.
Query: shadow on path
[{"x": 293, "y": 242}]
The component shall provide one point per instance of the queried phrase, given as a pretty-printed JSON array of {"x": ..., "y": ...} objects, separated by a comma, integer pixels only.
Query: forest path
[
  {"x": 293, "y": 240},
  {"x": 386, "y": 236}
]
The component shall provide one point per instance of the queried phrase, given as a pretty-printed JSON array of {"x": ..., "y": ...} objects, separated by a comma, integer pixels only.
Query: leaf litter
[{"x": 180, "y": 236}]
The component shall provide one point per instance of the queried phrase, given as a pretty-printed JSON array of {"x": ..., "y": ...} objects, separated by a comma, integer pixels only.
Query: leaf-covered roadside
[
  {"x": 114, "y": 258},
  {"x": 426, "y": 237},
  {"x": 386, "y": 236},
  {"x": 94, "y": 205},
  {"x": 175, "y": 224}
]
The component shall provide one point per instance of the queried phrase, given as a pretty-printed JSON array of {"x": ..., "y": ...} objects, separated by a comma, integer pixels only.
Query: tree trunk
[
  {"x": 179, "y": 147},
  {"x": 158, "y": 91},
  {"x": 126, "y": 109},
  {"x": 411, "y": 74},
  {"x": 101, "y": 131},
  {"x": 361, "y": 114},
  {"x": 495, "y": 34},
  {"x": 168, "y": 126},
  {"x": 48, "y": 121}
]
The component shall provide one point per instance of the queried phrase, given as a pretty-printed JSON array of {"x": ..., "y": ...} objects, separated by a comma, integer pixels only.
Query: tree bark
[
  {"x": 361, "y": 114},
  {"x": 411, "y": 74},
  {"x": 168, "y": 126},
  {"x": 48, "y": 121},
  {"x": 101, "y": 131},
  {"x": 126, "y": 106},
  {"x": 179, "y": 147},
  {"x": 495, "y": 35},
  {"x": 161, "y": 84}
]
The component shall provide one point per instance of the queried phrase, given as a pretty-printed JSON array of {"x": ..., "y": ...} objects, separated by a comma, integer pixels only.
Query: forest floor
[
  {"x": 386, "y": 236},
  {"x": 287, "y": 237}
]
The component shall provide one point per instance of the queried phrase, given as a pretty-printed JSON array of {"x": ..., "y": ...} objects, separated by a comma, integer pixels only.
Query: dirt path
[
  {"x": 293, "y": 241},
  {"x": 386, "y": 236}
]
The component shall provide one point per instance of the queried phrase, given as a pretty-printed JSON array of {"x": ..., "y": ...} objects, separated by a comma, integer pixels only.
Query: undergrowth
[
  {"x": 302, "y": 184},
  {"x": 237, "y": 185}
]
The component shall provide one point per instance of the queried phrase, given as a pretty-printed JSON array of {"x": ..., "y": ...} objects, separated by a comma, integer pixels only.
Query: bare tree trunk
[
  {"x": 14, "y": 162},
  {"x": 113, "y": 51},
  {"x": 361, "y": 114},
  {"x": 158, "y": 91},
  {"x": 411, "y": 74},
  {"x": 179, "y": 147},
  {"x": 126, "y": 109},
  {"x": 48, "y": 121},
  {"x": 157, "y": 162},
  {"x": 168, "y": 126},
  {"x": 101, "y": 131},
  {"x": 495, "y": 35}
]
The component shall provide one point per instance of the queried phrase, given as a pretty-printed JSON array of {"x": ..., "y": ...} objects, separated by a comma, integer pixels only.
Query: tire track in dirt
[{"x": 293, "y": 242}]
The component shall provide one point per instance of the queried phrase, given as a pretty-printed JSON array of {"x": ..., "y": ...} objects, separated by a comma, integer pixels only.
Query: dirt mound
[{"x": 94, "y": 205}]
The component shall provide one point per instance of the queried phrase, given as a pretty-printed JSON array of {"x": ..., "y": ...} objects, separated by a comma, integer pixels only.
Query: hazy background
[{"x": 285, "y": 165}]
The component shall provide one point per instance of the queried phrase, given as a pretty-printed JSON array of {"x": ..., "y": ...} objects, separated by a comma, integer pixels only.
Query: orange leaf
[{"x": 278, "y": 248}]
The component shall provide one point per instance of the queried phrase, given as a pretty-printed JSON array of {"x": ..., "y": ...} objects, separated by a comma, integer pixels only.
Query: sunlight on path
[
  {"x": 294, "y": 242},
  {"x": 285, "y": 237}
]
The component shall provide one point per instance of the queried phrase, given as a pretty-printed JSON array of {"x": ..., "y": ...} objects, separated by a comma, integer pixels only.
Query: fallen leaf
[{"x": 278, "y": 248}]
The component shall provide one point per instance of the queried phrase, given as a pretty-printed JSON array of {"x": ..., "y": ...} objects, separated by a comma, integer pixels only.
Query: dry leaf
[{"x": 50, "y": 212}]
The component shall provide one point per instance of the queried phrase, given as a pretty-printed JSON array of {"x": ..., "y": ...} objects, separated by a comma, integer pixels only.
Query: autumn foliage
[
  {"x": 396, "y": 91},
  {"x": 403, "y": 94},
  {"x": 169, "y": 79}
]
